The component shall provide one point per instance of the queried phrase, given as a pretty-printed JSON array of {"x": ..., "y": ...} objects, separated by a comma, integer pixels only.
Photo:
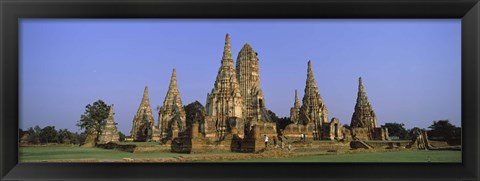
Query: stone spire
[
  {"x": 225, "y": 100},
  {"x": 248, "y": 77},
  {"x": 297, "y": 101},
  {"x": 172, "y": 105},
  {"x": 364, "y": 116},
  {"x": 313, "y": 109},
  {"x": 311, "y": 83},
  {"x": 295, "y": 110},
  {"x": 109, "y": 132},
  {"x": 227, "y": 50},
  {"x": 143, "y": 118}
]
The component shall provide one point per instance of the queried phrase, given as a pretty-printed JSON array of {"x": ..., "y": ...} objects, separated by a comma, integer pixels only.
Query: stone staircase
[{"x": 356, "y": 143}]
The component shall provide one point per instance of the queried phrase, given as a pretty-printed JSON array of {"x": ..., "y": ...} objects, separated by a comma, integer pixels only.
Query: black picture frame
[{"x": 12, "y": 10}]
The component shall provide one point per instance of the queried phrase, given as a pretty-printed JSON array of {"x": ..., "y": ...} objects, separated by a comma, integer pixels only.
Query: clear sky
[{"x": 410, "y": 68}]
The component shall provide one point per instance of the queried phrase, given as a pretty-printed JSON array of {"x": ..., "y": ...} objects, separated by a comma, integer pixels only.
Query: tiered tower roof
[
  {"x": 313, "y": 110},
  {"x": 248, "y": 77},
  {"x": 364, "y": 116}
]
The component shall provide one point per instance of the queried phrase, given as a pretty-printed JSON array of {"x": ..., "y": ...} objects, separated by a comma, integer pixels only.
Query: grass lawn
[
  {"x": 75, "y": 152},
  {"x": 140, "y": 143},
  {"x": 40, "y": 153},
  {"x": 401, "y": 156}
]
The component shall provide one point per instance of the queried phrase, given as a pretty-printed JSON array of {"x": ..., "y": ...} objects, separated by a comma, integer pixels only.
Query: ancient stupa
[
  {"x": 313, "y": 110},
  {"x": 295, "y": 110},
  {"x": 143, "y": 120},
  {"x": 364, "y": 116},
  {"x": 172, "y": 110},
  {"x": 225, "y": 104},
  {"x": 248, "y": 77},
  {"x": 109, "y": 132}
]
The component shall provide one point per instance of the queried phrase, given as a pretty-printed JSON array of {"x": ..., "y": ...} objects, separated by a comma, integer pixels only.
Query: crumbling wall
[
  {"x": 295, "y": 131},
  {"x": 360, "y": 133}
]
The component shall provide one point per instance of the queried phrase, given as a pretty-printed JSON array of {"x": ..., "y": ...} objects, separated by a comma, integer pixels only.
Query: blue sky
[{"x": 410, "y": 68}]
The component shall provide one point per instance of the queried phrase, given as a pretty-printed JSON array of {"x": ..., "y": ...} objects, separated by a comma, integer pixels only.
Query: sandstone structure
[
  {"x": 236, "y": 118},
  {"x": 313, "y": 111},
  {"x": 171, "y": 117},
  {"x": 248, "y": 77},
  {"x": 364, "y": 116},
  {"x": 91, "y": 139},
  {"x": 295, "y": 110},
  {"x": 310, "y": 120},
  {"x": 109, "y": 132},
  {"x": 419, "y": 140},
  {"x": 333, "y": 130},
  {"x": 364, "y": 121},
  {"x": 143, "y": 122},
  {"x": 258, "y": 122},
  {"x": 225, "y": 104}
]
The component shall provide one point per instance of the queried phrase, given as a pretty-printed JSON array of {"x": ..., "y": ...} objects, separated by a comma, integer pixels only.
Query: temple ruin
[
  {"x": 295, "y": 110},
  {"x": 310, "y": 120},
  {"x": 225, "y": 104},
  {"x": 143, "y": 123},
  {"x": 109, "y": 132},
  {"x": 364, "y": 121},
  {"x": 171, "y": 116},
  {"x": 248, "y": 77},
  {"x": 235, "y": 117}
]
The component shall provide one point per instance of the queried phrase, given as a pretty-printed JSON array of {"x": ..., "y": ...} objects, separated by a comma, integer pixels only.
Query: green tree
[
  {"x": 442, "y": 129},
  {"x": 65, "y": 136},
  {"x": 396, "y": 129},
  {"x": 21, "y": 133},
  {"x": 194, "y": 110},
  {"x": 122, "y": 136},
  {"x": 34, "y": 134},
  {"x": 81, "y": 137},
  {"x": 48, "y": 134},
  {"x": 272, "y": 116},
  {"x": 94, "y": 117},
  {"x": 282, "y": 123},
  {"x": 75, "y": 138}
]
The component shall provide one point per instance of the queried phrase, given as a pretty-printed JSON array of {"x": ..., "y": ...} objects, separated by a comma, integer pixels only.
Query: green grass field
[
  {"x": 405, "y": 156},
  {"x": 28, "y": 154}
]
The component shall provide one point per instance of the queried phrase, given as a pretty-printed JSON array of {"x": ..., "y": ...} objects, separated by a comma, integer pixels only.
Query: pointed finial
[
  {"x": 310, "y": 76},
  {"x": 309, "y": 70},
  {"x": 227, "y": 52},
  {"x": 110, "y": 111},
  {"x": 173, "y": 82},
  {"x": 297, "y": 101},
  {"x": 145, "y": 94},
  {"x": 174, "y": 75},
  {"x": 360, "y": 84}
]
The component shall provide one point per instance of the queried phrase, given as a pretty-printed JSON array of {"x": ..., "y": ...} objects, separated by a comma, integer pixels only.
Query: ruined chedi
[
  {"x": 171, "y": 114},
  {"x": 295, "y": 110},
  {"x": 143, "y": 120},
  {"x": 109, "y": 132},
  {"x": 364, "y": 121},
  {"x": 225, "y": 104},
  {"x": 248, "y": 77},
  {"x": 313, "y": 110},
  {"x": 364, "y": 116}
]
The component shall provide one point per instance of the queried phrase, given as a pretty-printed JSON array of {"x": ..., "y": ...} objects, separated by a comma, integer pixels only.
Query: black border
[{"x": 11, "y": 10}]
